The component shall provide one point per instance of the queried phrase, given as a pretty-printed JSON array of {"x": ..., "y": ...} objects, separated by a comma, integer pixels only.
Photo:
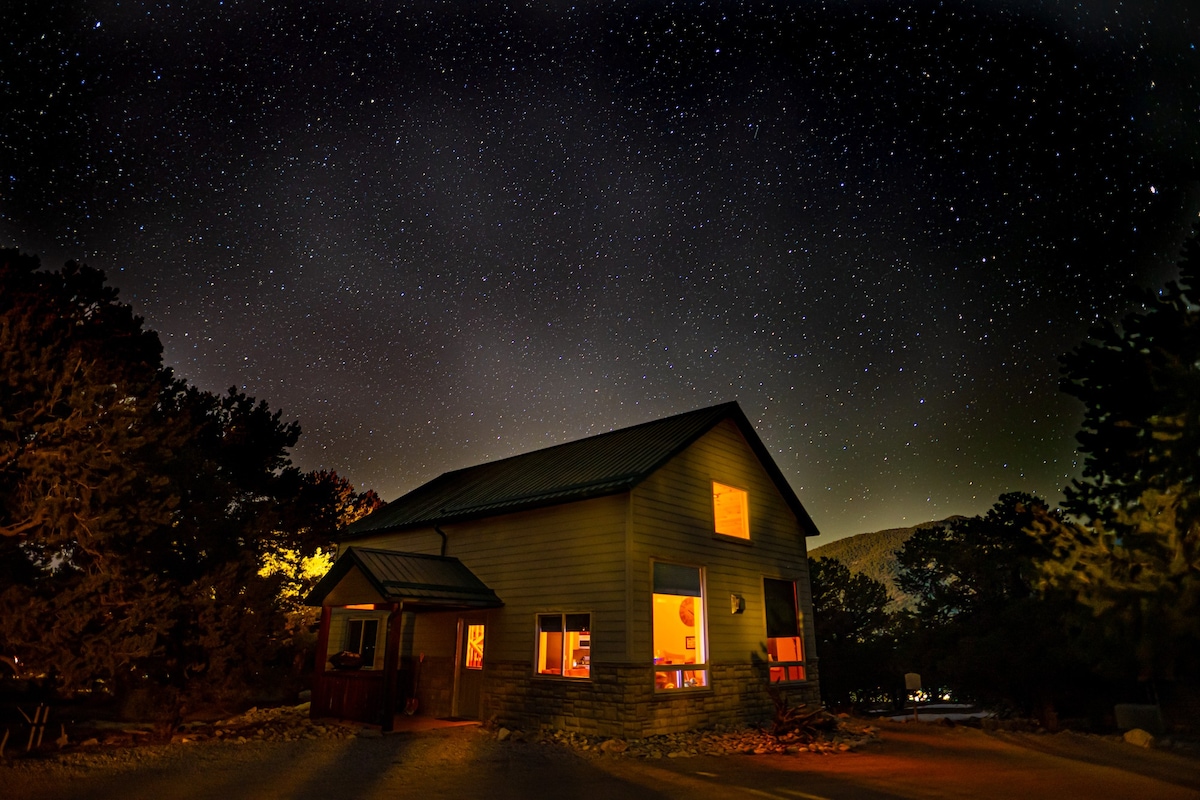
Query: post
[
  {"x": 319, "y": 659},
  {"x": 391, "y": 660},
  {"x": 912, "y": 683}
]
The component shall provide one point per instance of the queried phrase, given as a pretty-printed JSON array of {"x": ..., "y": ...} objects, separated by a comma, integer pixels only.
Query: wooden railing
[{"x": 346, "y": 694}]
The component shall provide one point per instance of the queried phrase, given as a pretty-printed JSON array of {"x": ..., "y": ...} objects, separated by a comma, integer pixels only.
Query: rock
[
  {"x": 1139, "y": 738},
  {"x": 503, "y": 734},
  {"x": 614, "y": 746}
]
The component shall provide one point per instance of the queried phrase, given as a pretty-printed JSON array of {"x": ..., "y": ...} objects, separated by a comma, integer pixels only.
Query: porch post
[
  {"x": 391, "y": 663},
  {"x": 322, "y": 655}
]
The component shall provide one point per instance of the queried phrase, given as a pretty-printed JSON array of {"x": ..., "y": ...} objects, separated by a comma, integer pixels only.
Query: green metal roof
[
  {"x": 413, "y": 578},
  {"x": 600, "y": 465}
]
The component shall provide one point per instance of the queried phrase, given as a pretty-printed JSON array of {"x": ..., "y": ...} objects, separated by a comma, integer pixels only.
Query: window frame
[
  {"x": 663, "y": 672},
  {"x": 469, "y": 663},
  {"x": 362, "y": 638},
  {"x": 744, "y": 513},
  {"x": 564, "y": 630},
  {"x": 785, "y": 669}
]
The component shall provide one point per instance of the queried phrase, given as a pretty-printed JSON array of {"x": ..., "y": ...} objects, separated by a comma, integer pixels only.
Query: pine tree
[
  {"x": 1132, "y": 557},
  {"x": 136, "y": 511}
]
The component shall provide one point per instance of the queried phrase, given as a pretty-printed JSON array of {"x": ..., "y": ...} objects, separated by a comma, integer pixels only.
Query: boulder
[{"x": 1139, "y": 737}]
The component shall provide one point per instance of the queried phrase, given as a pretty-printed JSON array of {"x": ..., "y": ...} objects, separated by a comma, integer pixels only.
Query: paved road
[{"x": 911, "y": 762}]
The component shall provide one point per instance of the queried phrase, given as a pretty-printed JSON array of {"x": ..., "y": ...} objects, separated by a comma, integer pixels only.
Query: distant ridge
[{"x": 874, "y": 554}]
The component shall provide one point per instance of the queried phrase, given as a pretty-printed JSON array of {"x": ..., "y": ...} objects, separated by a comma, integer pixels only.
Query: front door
[{"x": 468, "y": 667}]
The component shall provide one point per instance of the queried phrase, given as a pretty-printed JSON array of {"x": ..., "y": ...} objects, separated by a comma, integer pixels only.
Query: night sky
[{"x": 441, "y": 233}]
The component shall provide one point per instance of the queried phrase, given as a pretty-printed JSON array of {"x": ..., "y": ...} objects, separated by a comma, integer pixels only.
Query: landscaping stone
[{"x": 1139, "y": 738}]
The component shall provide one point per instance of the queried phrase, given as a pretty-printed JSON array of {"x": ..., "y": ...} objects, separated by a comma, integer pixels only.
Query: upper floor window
[
  {"x": 731, "y": 511},
  {"x": 785, "y": 646}
]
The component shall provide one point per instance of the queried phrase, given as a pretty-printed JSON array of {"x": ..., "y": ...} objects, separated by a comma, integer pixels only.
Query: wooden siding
[
  {"x": 349, "y": 695},
  {"x": 673, "y": 521},
  {"x": 353, "y": 589},
  {"x": 567, "y": 558}
]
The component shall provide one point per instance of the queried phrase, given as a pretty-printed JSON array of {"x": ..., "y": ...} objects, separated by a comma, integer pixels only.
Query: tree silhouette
[{"x": 138, "y": 513}]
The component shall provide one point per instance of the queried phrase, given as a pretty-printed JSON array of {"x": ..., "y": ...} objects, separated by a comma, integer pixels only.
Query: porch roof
[{"x": 368, "y": 575}]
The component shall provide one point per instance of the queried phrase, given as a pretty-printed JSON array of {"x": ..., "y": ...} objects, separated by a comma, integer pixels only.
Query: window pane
[
  {"x": 678, "y": 618},
  {"x": 578, "y": 651},
  {"x": 354, "y": 636},
  {"x": 791, "y": 672},
  {"x": 731, "y": 511},
  {"x": 564, "y": 645},
  {"x": 370, "y": 632},
  {"x": 474, "y": 659},
  {"x": 550, "y": 648},
  {"x": 782, "y": 617},
  {"x": 676, "y": 579}
]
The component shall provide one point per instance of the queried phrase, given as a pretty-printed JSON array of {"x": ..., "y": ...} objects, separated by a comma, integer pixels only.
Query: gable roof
[
  {"x": 599, "y": 465},
  {"x": 413, "y": 578}
]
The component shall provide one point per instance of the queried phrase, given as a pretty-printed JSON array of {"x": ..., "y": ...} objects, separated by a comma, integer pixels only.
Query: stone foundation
[{"x": 620, "y": 699}]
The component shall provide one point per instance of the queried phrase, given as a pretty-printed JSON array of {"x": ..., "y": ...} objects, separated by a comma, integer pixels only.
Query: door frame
[{"x": 460, "y": 657}]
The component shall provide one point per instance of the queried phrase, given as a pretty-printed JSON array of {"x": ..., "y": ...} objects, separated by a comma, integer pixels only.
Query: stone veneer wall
[{"x": 620, "y": 699}]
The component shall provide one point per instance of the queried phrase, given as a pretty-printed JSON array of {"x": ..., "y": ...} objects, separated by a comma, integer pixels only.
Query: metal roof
[
  {"x": 412, "y": 578},
  {"x": 596, "y": 466}
]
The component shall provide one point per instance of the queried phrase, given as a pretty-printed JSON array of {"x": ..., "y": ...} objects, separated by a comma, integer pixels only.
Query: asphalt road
[{"x": 910, "y": 761}]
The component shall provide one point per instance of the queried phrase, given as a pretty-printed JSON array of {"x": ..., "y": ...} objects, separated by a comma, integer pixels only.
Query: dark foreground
[{"x": 909, "y": 761}]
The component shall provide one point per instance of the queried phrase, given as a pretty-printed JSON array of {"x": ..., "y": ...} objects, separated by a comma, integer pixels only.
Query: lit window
[
  {"x": 680, "y": 643},
  {"x": 731, "y": 511},
  {"x": 564, "y": 645},
  {"x": 785, "y": 647},
  {"x": 474, "y": 658},
  {"x": 361, "y": 635}
]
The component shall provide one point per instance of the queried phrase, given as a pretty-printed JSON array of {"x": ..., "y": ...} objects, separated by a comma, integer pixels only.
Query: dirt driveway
[{"x": 909, "y": 761}]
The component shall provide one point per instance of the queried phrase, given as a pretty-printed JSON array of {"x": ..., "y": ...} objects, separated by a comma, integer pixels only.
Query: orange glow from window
[
  {"x": 474, "y": 658},
  {"x": 362, "y": 607},
  {"x": 731, "y": 513}
]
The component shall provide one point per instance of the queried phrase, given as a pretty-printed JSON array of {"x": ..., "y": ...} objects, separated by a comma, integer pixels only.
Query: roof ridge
[{"x": 593, "y": 466}]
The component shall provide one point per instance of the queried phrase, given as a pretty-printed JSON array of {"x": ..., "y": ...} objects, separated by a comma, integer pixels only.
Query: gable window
[
  {"x": 785, "y": 647},
  {"x": 680, "y": 637},
  {"x": 361, "y": 635},
  {"x": 564, "y": 645},
  {"x": 731, "y": 512}
]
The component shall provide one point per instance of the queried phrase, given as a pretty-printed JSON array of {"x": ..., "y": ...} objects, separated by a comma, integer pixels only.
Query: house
[{"x": 648, "y": 580}]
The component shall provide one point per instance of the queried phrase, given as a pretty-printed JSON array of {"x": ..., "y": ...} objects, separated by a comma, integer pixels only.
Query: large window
[
  {"x": 731, "y": 511},
  {"x": 361, "y": 635},
  {"x": 785, "y": 647},
  {"x": 564, "y": 645},
  {"x": 680, "y": 641}
]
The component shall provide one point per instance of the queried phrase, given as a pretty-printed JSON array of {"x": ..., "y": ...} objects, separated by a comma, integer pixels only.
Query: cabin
[{"x": 644, "y": 581}]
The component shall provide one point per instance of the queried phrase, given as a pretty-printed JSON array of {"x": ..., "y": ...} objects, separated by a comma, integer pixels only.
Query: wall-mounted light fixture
[{"x": 737, "y": 604}]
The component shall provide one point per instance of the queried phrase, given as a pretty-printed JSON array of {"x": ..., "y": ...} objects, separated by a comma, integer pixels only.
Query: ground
[{"x": 905, "y": 761}]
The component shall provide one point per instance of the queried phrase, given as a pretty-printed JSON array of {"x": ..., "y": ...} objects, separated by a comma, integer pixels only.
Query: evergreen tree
[
  {"x": 79, "y": 423},
  {"x": 981, "y": 629},
  {"x": 1139, "y": 382},
  {"x": 1132, "y": 559},
  {"x": 855, "y": 635},
  {"x": 137, "y": 512}
]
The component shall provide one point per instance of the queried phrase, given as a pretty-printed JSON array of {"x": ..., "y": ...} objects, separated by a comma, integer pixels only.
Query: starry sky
[{"x": 441, "y": 233}]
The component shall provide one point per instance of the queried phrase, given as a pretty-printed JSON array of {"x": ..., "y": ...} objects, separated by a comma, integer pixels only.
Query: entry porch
[{"x": 401, "y": 633}]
